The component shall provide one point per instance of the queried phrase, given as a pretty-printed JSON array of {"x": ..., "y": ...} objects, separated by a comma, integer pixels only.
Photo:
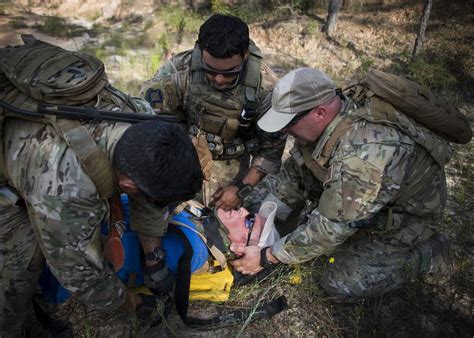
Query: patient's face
[{"x": 240, "y": 224}]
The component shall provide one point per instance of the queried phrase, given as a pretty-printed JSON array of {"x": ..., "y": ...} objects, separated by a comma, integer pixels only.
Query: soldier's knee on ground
[
  {"x": 342, "y": 286},
  {"x": 355, "y": 275}
]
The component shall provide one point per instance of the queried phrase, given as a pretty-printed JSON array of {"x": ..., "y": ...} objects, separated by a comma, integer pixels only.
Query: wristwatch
[
  {"x": 244, "y": 189},
  {"x": 264, "y": 262},
  {"x": 155, "y": 255}
]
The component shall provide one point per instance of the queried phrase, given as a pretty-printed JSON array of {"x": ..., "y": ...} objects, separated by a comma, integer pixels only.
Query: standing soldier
[{"x": 218, "y": 89}]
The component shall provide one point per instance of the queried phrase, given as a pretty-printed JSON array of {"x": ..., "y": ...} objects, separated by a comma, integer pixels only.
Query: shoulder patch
[{"x": 154, "y": 96}]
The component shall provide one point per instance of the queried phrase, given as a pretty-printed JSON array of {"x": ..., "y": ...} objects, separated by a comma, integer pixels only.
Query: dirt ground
[{"x": 429, "y": 307}]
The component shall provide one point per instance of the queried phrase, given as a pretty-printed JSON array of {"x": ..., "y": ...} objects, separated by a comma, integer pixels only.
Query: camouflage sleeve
[
  {"x": 148, "y": 220},
  {"x": 165, "y": 90},
  {"x": 271, "y": 145},
  {"x": 316, "y": 237},
  {"x": 268, "y": 158},
  {"x": 68, "y": 228},
  {"x": 365, "y": 177}
]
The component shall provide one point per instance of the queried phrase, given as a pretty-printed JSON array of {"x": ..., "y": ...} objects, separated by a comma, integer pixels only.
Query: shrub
[
  {"x": 18, "y": 24},
  {"x": 57, "y": 26},
  {"x": 431, "y": 73}
]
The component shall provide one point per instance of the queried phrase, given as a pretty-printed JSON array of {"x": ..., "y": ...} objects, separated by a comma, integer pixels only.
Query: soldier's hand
[
  {"x": 226, "y": 198},
  {"x": 153, "y": 309},
  {"x": 249, "y": 264}
]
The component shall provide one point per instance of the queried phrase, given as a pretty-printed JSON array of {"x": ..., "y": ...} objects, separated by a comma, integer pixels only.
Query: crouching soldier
[
  {"x": 58, "y": 176},
  {"x": 55, "y": 211},
  {"x": 374, "y": 177}
]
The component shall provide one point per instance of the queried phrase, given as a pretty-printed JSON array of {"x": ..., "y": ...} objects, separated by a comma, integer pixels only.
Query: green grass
[
  {"x": 431, "y": 73},
  {"x": 178, "y": 19},
  {"x": 18, "y": 24},
  {"x": 136, "y": 69},
  {"x": 98, "y": 52},
  {"x": 59, "y": 27},
  {"x": 4, "y": 6},
  {"x": 247, "y": 11},
  {"x": 297, "y": 284}
]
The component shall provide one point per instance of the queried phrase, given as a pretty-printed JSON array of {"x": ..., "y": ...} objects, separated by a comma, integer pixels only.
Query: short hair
[
  {"x": 224, "y": 36},
  {"x": 161, "y": 159}
]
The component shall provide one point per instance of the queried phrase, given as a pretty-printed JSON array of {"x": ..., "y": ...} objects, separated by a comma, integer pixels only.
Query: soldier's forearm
[
  {"x": 266, "y": 165},
  {"x": 317, "y": 236},
  {"x": 149, "y": 243}
]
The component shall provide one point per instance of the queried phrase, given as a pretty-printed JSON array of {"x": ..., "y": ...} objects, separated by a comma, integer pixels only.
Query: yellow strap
[{"x": 216, "y": 253}]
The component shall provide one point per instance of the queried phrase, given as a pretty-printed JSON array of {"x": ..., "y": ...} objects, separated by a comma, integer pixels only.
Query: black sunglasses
[
  {"x": 249, "y": 223},
  {"x": 226, "y": 73},
  {"x": 297, "y": 118}
]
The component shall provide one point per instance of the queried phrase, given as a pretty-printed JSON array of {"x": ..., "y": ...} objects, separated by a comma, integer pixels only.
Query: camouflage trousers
[
  {"x": 21, "y": 263},
  {"x": 373, "y": 261},
  {"x": 371, "y": 264},
  {"x": 74, "y": 257}
]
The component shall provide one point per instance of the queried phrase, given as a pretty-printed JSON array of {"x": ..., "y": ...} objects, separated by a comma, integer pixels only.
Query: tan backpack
[
  {"x": 41, "y": 73},
  {"x": 415, "y": 101}
]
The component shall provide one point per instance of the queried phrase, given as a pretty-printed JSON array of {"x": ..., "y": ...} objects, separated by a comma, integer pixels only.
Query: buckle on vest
[{"x": 330, "y": 175}]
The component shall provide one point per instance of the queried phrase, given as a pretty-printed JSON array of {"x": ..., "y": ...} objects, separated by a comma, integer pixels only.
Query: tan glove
[{"x": 204, "y": 154}]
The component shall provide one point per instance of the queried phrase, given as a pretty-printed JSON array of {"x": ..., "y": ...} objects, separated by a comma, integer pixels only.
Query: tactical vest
[
  {"x": 38, "y": 72},
  {"x": 378, "y": 111},
  {"x": 218, "y": 112}
]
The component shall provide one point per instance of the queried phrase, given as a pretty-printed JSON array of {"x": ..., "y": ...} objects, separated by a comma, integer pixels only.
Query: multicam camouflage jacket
[
  {"x": 48, "y": 175},
  {"x": 181, "y": 88},
  {"x": 380, "y": 177}
]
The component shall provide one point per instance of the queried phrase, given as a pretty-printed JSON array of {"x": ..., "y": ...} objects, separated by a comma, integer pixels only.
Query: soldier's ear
[
  {"x": 320, "y": 112},
  {"x": 127, "y": 185},
  {"x": 246, "y": 56}
]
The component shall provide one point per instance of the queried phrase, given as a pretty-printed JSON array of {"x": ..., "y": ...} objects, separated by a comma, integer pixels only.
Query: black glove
[
  {"x": 158, "y": 278},
  {"x": 154, "y": 309}
]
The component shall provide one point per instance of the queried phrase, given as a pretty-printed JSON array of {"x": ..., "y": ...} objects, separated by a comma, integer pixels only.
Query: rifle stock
[{"x": 86, "y": 114}]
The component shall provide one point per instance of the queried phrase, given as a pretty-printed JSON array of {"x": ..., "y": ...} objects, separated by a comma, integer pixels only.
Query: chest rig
[{"x": 218, "y": 113}]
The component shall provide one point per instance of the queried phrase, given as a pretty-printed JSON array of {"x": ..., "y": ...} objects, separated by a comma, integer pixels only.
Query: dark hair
[
  {"x": 224, "y": 36},
  {"x": 161, "y": 159}
]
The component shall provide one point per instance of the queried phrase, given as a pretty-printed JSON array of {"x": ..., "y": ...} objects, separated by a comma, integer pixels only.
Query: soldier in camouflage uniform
[
  {"x": 218, "y": 89},
  {"x": 51, "y": 209},
  {"x": 376, "y": 190}
]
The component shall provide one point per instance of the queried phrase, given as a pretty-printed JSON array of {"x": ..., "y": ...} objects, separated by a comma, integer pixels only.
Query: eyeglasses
[
  {"x": 249, "y": 223},
  {"x": 297, "y": 118},
  {"x": 228, "y": 74}
]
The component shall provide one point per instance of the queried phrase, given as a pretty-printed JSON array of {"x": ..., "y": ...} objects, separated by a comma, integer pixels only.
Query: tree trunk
[
  {"x": 423, "y": 23},
  {"x": 331, "y": 21}
]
